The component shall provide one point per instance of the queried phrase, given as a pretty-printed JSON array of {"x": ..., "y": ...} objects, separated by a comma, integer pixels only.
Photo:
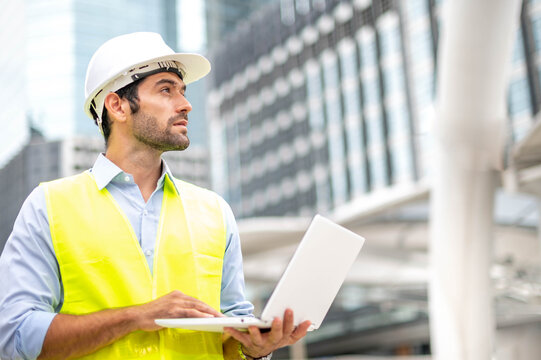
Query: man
[{"x": 94, "y": 258}]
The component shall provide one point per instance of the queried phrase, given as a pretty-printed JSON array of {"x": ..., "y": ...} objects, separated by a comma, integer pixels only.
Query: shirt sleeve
[
  {"x": 232, "y": 300},
  {"x": 31, "y": 290}
]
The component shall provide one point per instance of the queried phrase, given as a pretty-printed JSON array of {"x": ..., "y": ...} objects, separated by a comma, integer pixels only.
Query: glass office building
[
  {"x": 223, "y": 17},
  {"x": 61, "y": 36},
  {"x": 201, "y": 25},
  {"x": 524, "y": 93},
  {"x": 317, "y": 103},
  {"x": 13, "y": 116},
  {"x": 47, "y": 46}
]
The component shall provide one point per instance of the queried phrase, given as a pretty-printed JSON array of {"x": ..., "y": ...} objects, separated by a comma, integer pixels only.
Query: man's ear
[{"x": 116, "y": 107}]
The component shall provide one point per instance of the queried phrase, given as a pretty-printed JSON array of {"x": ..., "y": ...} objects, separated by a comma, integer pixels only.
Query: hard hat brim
[{"x": 194, "y": 67}]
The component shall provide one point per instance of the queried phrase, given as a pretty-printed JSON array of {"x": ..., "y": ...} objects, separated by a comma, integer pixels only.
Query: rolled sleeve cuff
[{"x": 31, "y": 333}]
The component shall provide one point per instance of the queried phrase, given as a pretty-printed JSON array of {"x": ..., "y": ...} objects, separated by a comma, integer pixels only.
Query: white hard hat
[{"x": 128, "y": 58}]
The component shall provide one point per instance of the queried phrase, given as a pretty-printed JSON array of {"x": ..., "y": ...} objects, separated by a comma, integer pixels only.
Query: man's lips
[{"x": 181, "y": 123}]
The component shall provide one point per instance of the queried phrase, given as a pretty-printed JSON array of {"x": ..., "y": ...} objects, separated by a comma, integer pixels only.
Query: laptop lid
[{"x": 315, "y": 273}]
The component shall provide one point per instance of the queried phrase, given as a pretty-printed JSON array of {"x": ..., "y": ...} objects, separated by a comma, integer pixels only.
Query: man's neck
[{"x": 144, "y": 165}]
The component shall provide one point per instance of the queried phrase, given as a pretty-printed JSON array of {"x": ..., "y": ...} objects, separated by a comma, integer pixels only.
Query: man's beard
[{"x": 146, "y": 131}]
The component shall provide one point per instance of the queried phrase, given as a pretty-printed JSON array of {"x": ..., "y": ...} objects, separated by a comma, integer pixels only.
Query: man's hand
[
  {"x": 71, "y": 336},
  {"x": 173, "y": 305},
  {"x": 283, "y": 333}
]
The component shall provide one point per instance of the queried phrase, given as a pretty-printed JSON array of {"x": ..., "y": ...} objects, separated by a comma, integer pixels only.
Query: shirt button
[
  {"x": 127, "y": 178},
  {"x": 148, "y": 252}
]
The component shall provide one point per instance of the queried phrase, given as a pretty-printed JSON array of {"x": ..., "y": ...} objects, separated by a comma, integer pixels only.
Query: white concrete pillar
[
  {"x": 298, "y": 351},
  {"x": 519, "y": 342},
  {"x": 475, "y": 50}
]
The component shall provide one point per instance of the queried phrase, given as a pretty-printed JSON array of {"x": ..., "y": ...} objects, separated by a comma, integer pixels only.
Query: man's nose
[{"x": 184, "y": 105}]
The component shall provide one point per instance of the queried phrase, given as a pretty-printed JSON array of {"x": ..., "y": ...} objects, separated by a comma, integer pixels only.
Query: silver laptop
[{"x": 308, "y": 286}]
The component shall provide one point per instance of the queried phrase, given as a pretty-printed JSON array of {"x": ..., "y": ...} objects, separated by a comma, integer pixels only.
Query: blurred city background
[{"x": 312, "y": 106}]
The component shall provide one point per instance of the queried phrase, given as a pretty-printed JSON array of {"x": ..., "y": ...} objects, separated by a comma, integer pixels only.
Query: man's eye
[{"x": 166, "y": 90}]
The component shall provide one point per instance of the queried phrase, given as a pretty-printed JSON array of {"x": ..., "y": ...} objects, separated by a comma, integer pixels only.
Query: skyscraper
[
  {"x": 319, "y": 103},
  {"x": 13, "y": 115},
  {"x": 224, "y": 16},
  {"x": 62, "y": 36},
  {"x": 202, "y": 25}
]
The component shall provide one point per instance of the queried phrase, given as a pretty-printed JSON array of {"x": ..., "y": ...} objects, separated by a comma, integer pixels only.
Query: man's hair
[{"x": 128, "y": 92}]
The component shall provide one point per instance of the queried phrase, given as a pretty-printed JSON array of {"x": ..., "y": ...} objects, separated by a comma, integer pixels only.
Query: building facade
[
  {"x": 13, "y": 115},
  {"x": 37, "y": 161},
  {"x": 317, "y": 103},
  {"x": 75, "y": 29},
  {"x": 222, "y": 17}
]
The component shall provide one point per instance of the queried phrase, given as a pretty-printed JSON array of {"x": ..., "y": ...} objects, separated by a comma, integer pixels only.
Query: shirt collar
[{"x": 105, "y": 171}]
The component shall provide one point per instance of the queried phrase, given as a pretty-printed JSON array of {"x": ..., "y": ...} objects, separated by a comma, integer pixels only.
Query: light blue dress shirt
[{"x": 31, "y": 290}]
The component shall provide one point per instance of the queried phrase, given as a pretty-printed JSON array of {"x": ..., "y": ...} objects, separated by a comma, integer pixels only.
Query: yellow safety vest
[{"x": 102, "y": 265}]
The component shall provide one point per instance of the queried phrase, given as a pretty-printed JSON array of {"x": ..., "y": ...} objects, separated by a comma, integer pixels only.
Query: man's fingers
[
  {"x": 276, "y": 334},
  {"x": 289, "y": 324},
  {"x": 204, "y": 308},
  {"x": 300, "y": 331},
  {"x": 186, "y": 310},
  {"x": 187, "y": 301},
  {"x": 255, "y": 336},
  {"x": 179, "y": 305},
  {"x": 282, "y": 333},
  {"x": 192, "y": 313},
  {"x": 240, "y": 336}
]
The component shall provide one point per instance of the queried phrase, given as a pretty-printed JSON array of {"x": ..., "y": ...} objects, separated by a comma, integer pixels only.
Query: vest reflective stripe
[{"x": 89, "y": 231}]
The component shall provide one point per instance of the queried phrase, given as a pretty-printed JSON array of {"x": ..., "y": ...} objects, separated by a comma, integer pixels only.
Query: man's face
[{"x": 162, "y": 119}]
